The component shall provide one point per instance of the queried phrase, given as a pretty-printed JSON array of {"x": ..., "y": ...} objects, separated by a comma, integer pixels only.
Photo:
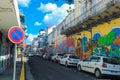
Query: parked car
[
  {"x": 45, "y": 55},
  {"x": 30, "y": 54},
  {"x": 69, "y": 60},
  {"x": 54, "y": 58},
  {"x": 41, "y": 54},
  {"x": 100, "y": 66},
  {"x": 57, "y": 57},
  {"x": 49, "y": 56}
]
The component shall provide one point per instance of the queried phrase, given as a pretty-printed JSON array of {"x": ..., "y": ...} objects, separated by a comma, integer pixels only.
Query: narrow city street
[
  {"x": 46, "y": 70},
  {"x": 83, "y": 36}
]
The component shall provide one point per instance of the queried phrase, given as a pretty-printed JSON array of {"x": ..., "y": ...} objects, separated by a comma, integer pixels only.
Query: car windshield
[
  {"x": 50, "y": 54},
  {"x": 111, "y": 60},
  {"x": 72, "y": 56},
  {"x": 60, "y": 54}
]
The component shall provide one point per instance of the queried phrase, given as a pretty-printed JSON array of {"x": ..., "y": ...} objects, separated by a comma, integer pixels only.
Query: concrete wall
[{"x": 15, "y": 2}]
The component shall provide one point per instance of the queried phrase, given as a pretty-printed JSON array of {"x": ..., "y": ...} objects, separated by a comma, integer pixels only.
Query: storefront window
[
  {"x": 0, "y": 42},
  {"x": 82, "y": 12}
]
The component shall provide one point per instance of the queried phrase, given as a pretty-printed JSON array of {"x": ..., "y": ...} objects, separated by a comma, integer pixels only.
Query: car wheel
[
  {"x": 98, "y": 73},
  {"x": 66, "y": 64},
  {"x": 59, "y": 61},
  {"x": 54, "y": 60},
  {"x": 79, "y": 68}
]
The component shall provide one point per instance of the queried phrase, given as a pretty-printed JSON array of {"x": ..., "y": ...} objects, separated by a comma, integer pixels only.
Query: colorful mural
[
  {"x": 109, "y": 45},
  {"x": 56, "y": 46},
  {"x": 104, "y": 39},
  {"x": 79, "y": 48},
  {"x": 65, "y": 45},
  {"x": 70, "y": 44}
]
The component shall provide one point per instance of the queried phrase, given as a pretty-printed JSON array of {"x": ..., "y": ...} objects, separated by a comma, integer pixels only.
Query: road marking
[{"x": 22, "y": 75}]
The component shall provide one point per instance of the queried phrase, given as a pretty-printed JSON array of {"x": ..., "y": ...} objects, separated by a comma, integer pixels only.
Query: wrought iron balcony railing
[{"x": 89, "y": 13}]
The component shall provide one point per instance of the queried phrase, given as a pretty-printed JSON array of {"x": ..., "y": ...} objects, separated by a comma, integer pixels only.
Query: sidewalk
[{"x": 8, "y": 74}]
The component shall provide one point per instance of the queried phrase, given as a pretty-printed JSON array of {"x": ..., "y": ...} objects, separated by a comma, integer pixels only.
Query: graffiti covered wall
[
  {"x": 105, "y": 40},
  {"x": 65, "y": 45}
]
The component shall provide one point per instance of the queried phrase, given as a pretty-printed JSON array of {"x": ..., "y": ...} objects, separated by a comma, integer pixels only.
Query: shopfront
[
  {"x": 1, "y": 61},
  {"x": 4, "y": 53}
]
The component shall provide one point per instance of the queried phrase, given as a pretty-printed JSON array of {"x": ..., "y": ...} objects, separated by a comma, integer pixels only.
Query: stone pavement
[{"x": 8, "y": 74}]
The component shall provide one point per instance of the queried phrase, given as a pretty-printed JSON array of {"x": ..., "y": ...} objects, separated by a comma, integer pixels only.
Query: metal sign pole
[
  {"x": 14, "y": 71},
  {"x": 16, "y": 35}
]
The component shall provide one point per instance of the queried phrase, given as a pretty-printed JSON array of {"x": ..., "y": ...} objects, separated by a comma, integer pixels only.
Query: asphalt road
[{"x": 46, "y": 70}]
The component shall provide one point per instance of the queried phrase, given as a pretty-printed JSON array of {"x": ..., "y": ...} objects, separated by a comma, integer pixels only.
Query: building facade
[
  {"x": 9, "y": 16},
  {"x": 91, "y": 28}
]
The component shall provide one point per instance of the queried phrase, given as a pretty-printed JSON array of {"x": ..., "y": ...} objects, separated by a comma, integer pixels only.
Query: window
[
  {"x": 95, "y": 59},
  {"x": 88, "y": 58},
  {"x": 82, "y": 9},
  {"x": 65, "y": 56},
  {"x": 96, "y": 6},
  {"x": 111, "y": 60},
  {"x": 57, "y": 31},
  {"x": 74, "y": 57},
  {"x": 95, "y": 2}
]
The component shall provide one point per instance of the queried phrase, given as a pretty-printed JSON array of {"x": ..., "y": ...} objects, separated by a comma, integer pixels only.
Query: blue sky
[{"x": 40, "y": 14}]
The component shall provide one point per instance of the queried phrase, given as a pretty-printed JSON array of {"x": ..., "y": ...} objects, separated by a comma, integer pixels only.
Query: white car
[
  {"x": 100, "y": 65},
  {"x": 54, "y": 58},
  {"x": 58, "y": 58},
  {"x": 69, "y": 60}
]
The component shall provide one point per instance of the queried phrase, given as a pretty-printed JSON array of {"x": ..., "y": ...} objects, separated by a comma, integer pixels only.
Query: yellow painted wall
[{"x": 103, "y": 29}]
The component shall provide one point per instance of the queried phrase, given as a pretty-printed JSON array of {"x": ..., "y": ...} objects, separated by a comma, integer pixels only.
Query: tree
[
  {"x": 69, "y": 1},
  {"x": 69, "y": 10}
]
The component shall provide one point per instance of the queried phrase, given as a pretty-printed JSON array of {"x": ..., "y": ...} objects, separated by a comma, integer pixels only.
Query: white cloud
[
  {"x": 54, "y": 14},
  {"x": 30, "y": 38},
  {"x": 26, "y": 28},
  {"x": 37, "y": 23},
  {"x": 48, "y": 7},
  {"x": 24, "y": 3}
]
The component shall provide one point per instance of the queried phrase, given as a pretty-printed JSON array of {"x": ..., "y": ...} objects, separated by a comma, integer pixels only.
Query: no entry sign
[{"x": 16, "y": 34}]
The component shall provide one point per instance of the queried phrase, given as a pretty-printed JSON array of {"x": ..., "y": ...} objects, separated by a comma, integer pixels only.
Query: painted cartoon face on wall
[
  {"x": 78, "y": 48},
  {"x": 78, "y": 42},
  {"x": 116, "y": 41}
]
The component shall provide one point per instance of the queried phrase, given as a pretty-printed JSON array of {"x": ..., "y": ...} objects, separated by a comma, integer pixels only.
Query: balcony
[
  {"x": 9, "y": 15},
  {"x": 103, "y": 11}
]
